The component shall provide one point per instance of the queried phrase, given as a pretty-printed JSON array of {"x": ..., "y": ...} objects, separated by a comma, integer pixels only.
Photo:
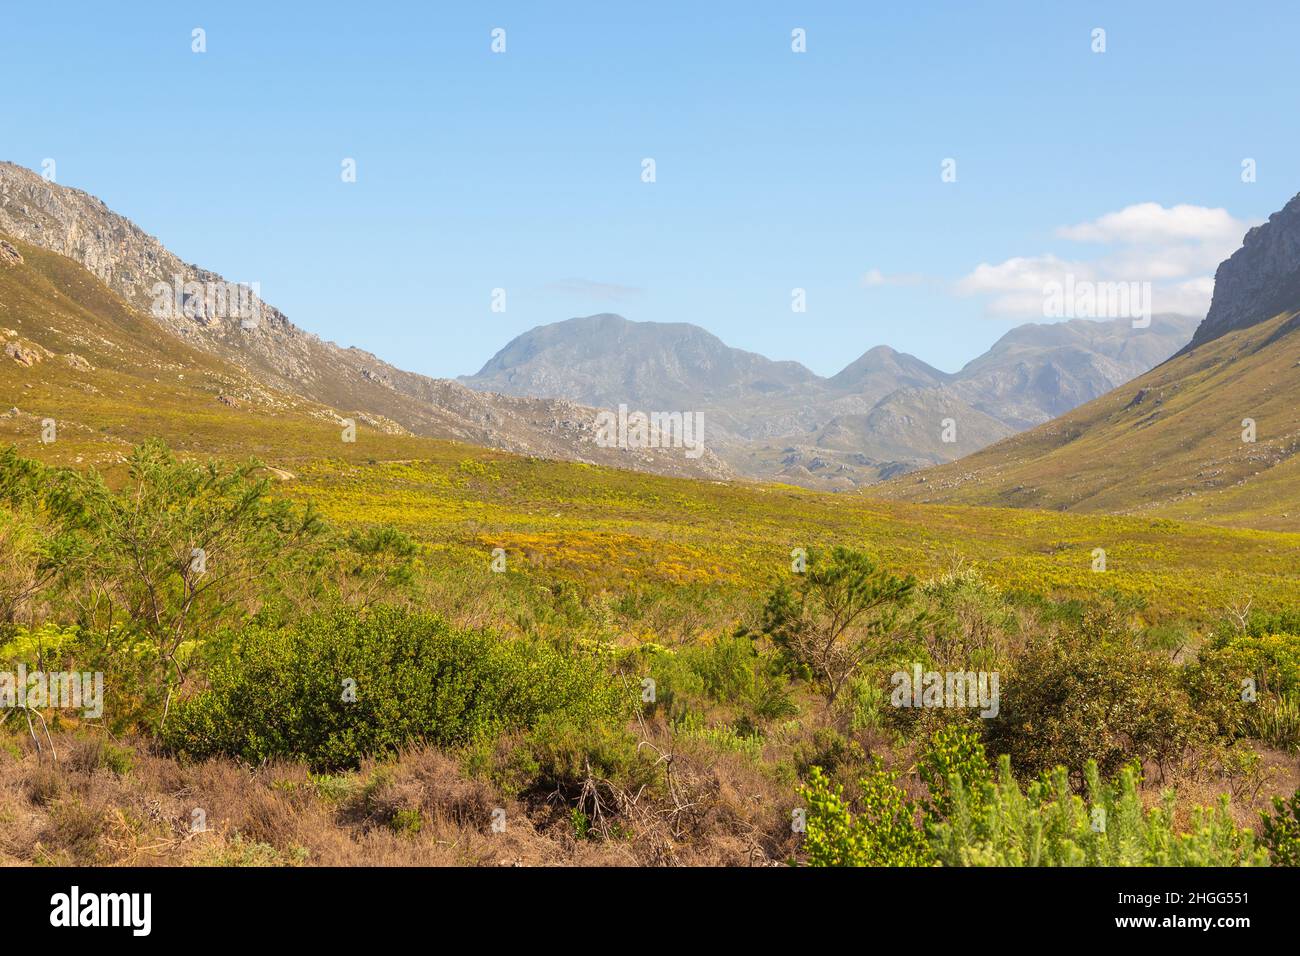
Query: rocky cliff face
[
  {"x": 260, "y": 340},
  {"x": 1259, "y": 280}
]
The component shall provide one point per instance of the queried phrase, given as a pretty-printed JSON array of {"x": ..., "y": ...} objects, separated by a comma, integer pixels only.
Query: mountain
[
  {"x": 1036, "y": 372},
  {"x": 1212, "y": 434},
  {"x": 881, "y": 415},
  {"x": 606, "y": 360},
  {"x": 1259, "y": 280},
  {"x": 883, "y": 364},
  {"x": 254, "y": 351}
]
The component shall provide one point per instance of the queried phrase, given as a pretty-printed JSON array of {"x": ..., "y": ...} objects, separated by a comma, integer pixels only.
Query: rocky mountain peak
[{"x": 1259, "y": 280}]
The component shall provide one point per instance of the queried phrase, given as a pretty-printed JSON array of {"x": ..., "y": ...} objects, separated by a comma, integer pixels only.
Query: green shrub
[
  {"x": 340, "y": 686},
  {"x": 407, "y": 820},
  {"x": 971, "y": 621},
  {"x": 953, "y": 751},
  {"x": 729, "y": 671},
  {"x": 561, "y": 753},
  {"x": 884, "y": 833},
  {"x": 155, "y": 569},
  {"x": 1047, "y": 824},
  {"x": 828, "y": 750},
  {"x": 1267, "y": 664},
  {"x": 1070, "y": 701},
  {"x": 1275, "y": 722},
  {"x": 1281, "y": 832},
  {"x": 722, "y": 738}
]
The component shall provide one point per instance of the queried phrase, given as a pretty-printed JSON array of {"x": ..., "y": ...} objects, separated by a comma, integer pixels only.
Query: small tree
[
  {"x": 842, "y": 613},
  {"x": 374, "y": 564},
  {"x": 182, "y": 550}
]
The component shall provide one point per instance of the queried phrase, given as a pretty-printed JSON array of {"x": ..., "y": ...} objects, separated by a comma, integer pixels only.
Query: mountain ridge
[
  {"x": 284, "y": 358},
  {"x": 879, "y": 415}
]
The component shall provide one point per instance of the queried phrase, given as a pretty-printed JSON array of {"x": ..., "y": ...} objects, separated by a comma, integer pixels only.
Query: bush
[
  {"x": 728, "y": 671},
  {"x": 1048, "y": 825},
  {"x": 883, "y": 834},
  {"x": 1281, "y": 832},
  {"x": 181, "y": 553},
  {"x": 1268, "y": 663},
  {"x": 1072, "y": 701},
  {"x": 1275, "y": 722},
  {"x": 972, "y": 624},
  {"x": 560, "y": 754},
  {"x": 341, "y": 686},
  {"x": 953, "y": 751},
  {"x": 830, "y": 751}
]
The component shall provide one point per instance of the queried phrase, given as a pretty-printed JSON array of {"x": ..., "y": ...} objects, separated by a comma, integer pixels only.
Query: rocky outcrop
[
  {"x": 26, "y": 354},
  {"x": 1259, "y": 280},
  {"x": 9, "y": 255}
]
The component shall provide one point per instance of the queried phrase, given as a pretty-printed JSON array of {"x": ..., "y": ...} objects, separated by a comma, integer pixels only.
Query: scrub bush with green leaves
[{"x": 337, "y": 687}]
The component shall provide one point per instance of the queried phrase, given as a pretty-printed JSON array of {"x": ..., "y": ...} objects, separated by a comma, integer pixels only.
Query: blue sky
[{"x": 775, "y": 170}]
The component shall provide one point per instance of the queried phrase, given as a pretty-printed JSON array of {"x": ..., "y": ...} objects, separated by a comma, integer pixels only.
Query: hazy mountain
[
  {"x": 881, "y": 415},
  {"x": 1175, "y": 441},
  {"x": 1037, "y": 372},
  {"x": 605, "y": 359},
  {"x": 883, "y": 364}
]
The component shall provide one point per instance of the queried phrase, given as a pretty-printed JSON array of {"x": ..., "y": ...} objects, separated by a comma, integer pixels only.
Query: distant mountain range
[
  {"x": 881, "y": 415},
  {"x": 1213, "y": 434}
]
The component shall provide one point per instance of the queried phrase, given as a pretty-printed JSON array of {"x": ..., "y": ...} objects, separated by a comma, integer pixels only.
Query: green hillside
[{"x": 1168, "y": 444}]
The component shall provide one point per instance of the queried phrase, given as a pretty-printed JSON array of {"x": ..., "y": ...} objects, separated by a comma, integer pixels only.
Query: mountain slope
[
  {"x": 72, "y": 351},
  {"x": 276, "y": 355},
  {"x": 1036, "y": 372},
  {"x": 1169, "y": 443}
]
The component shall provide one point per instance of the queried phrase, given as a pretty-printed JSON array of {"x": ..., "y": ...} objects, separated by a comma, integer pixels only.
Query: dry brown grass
[{"x": 104, "y": 804}]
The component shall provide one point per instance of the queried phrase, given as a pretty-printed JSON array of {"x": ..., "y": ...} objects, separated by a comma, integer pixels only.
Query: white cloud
[
  {"x": 1175, "y": 249},
  {"x": 1150, "y": 222}
]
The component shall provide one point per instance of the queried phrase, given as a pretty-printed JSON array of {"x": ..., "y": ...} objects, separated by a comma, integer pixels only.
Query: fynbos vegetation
[{"x": 235, "y": 625}]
